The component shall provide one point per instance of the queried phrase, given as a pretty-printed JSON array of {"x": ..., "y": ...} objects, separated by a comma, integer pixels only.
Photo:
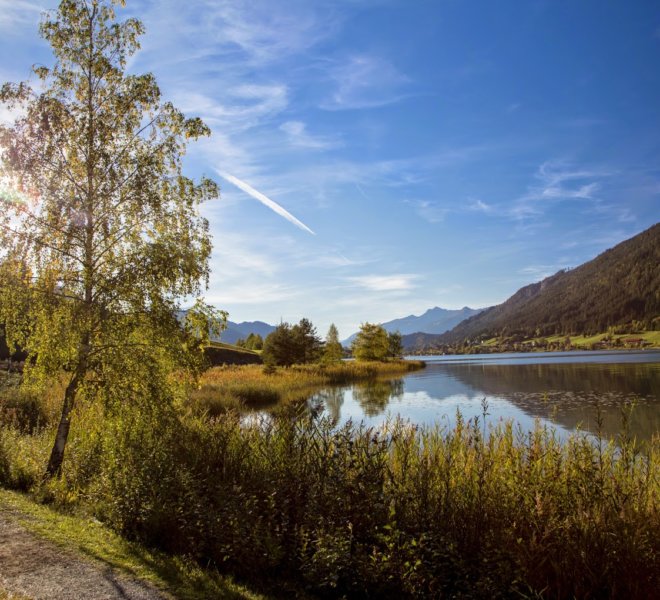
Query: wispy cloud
[
  {"x": 253, "y": 294},
  {"x": 622, "y": 214},
  {"x": 327, "y": 181},
  {"x": 434, "y": 212},
  {"x": 265, "y": 200},
  {"x": 430, "y": 211},
  {"x": 18, "y": 13},
  {"x": 297, "y": 135},
  {"x": 385, "y": 283},
  {"x": 365, "y": 81},
  {"x": 477, "y": 205},
  {"x": 260, "y": 32},
  {"x": 237, "y": 256},
  {"x": 556, "y": 182},
  {"x": 626, "y": 216},
  {"x": 242, "y": 106},
  {"x": 561, "y": 181},
  {"x": 330, "y": 260},
  {"x": 538, "y": 272}
]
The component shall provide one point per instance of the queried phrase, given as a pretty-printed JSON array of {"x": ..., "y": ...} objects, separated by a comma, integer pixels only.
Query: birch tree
[{"x": 100, "y": 231}]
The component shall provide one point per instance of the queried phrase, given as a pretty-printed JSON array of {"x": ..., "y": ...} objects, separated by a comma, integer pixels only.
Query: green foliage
[
  {"x": 289, "y": 345},
  {"x": 307, "y": 342},
  {"x": 395, "y": 344},
  {"x": 22, "y": 456},
  {"x": 332, "y": 351},
  {"x": 279, "y": 346},
  {"x": 374, "y": 395},
  {"x": 478, "y": 512},
  {"x": 99, "y": 228},
  {"x": 20, "y": 408},
  {"x": 253, "y": 342},
  {"x": 371, "y": 343}
]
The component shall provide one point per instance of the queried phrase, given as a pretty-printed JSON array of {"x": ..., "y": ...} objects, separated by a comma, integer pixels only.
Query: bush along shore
[{"x": 293, "y": 503}]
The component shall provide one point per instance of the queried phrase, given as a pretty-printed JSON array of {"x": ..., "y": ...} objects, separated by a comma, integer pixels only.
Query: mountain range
[
  {"x": 618, "y": 287},
  {"x": 237, "y": 331},
  {"x": 434, "y": 321}
]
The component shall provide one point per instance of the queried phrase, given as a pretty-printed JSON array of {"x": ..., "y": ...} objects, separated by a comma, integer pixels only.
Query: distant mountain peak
[
  {"x": 237, "y": 331},
  {"x": 433, "y": 321}
]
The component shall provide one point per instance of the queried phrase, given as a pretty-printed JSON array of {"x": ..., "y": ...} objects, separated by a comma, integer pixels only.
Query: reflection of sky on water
[
  {"x": 560, "y": 394},
  {"x": 536, "y": 358},
  {"x": 421, "y": 408}
]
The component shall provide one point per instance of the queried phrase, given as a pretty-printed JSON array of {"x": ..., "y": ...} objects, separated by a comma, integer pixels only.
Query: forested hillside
[{"x": 619, "y": 287}]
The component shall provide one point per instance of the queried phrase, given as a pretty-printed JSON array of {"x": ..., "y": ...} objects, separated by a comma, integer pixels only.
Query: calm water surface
[{"x": 566, "y": 390}]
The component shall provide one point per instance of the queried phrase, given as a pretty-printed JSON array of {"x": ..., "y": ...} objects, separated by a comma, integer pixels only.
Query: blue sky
[{"x": 378, "y": 158}]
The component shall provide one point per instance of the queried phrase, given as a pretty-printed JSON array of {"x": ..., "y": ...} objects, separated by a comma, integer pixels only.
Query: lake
[{"x": 565, "y": 390}]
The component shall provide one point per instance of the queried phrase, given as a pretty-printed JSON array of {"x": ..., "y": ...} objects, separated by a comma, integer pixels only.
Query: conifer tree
[{"x": 333, "y": 350}]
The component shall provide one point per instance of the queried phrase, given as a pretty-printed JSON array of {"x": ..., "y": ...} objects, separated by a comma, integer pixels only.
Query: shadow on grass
[{"x": 175, "y": 575}]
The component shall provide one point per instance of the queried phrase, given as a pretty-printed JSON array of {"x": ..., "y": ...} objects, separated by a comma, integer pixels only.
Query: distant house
[{"x": 633, "y": 341}]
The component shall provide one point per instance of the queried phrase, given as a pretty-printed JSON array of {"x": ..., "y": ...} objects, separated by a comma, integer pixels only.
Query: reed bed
[
  {"x": 254, "y": 387},
  {"x": 291, "y": 503}
]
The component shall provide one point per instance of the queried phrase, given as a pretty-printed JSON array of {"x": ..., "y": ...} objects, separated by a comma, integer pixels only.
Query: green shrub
[
  {"x": 20, "y": 408},
  {"x": 22, "y": 457}
]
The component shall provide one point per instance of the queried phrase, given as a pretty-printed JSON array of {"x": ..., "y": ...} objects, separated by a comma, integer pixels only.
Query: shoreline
[{"x": 516, "y": 353}]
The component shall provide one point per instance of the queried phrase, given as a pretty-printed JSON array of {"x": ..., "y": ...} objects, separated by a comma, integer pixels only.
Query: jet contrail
[{"x": 248, "y": 189}]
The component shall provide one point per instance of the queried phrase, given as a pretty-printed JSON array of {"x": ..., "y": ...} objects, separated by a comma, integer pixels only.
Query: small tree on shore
[
  {"x": 371, "y": 343},
  {"x": 292, "y": 344},
  {"x": 333, "y": 351},
  {"x": 253, "y": 342},
  {"x": 279, "y": 347},
  {"x": 307, "y": 342},
  {"x": 395, "y": 344},
  {"x": 99, "y": 229}
]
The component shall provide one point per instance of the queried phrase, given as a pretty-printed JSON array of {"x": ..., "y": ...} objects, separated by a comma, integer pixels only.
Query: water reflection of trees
[
  {"x": 328, "y": 400},
  {"x": 374, "y": 396},
  {"x": 573, "y": 394},
  {"x": 638, "y": 379}
]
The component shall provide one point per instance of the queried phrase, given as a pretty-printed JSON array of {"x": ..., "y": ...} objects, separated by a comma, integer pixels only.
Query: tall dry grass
[
  {"x": 470, "y": 512},
  {"x": 252, "y": 386}
]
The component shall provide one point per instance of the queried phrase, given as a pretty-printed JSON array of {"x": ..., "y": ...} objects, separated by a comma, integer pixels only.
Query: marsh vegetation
[{"x": 294, "y": 502}]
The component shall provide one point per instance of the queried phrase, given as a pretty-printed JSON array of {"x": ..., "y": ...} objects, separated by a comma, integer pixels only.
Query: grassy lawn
[
  {"x": 585, "y": 341},
  {"x": 89, "y": 538},
  {"x": 653, "y": 337}
]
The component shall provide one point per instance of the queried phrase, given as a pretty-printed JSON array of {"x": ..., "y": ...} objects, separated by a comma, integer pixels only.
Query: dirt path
[{"x": 37, "y": 569}]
